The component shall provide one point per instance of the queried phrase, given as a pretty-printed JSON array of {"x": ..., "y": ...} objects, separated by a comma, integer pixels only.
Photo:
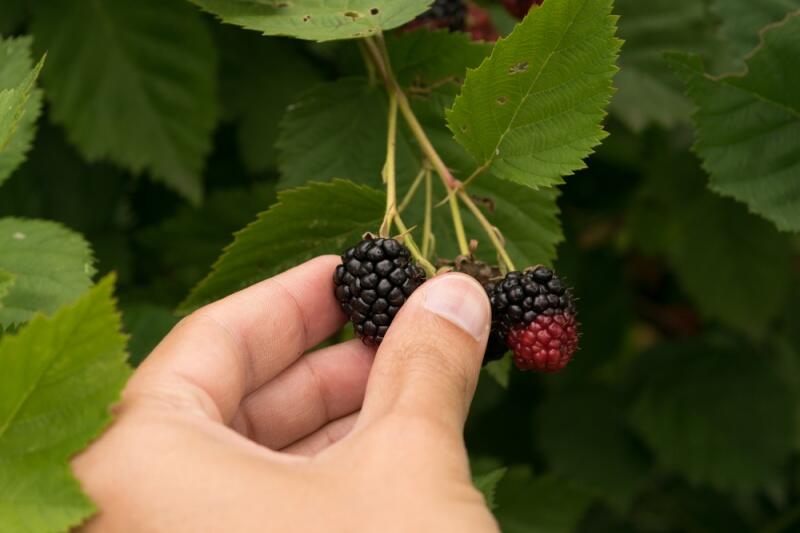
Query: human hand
[{"x": 228, "y": 426}]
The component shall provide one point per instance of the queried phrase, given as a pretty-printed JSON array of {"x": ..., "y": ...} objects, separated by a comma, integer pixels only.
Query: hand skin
[{"x": 230, "y": 426}]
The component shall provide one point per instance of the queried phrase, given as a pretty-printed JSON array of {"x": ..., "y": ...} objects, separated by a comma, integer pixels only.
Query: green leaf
[
  {"x": 487, "y": 484},
  {"x": 586, "y": 440},
  {"x": 127, "y": 90},
  {"x": 59, "y": 376},
  {"x": 533, "y": 110},
  {"x": 338, "y": 130},
  {"x": 20, "y": 102},
  {"x": 147, "y": 325},
  {"x": 260, "y": 79},
  {"x": 52, "y": 265},
  {"x": 743, "y": 19},
  {"x": 543, "y": 504},
  {"x": 6, "y": 281},
  {"x": 648, "y": 90},
  {"x": 425, "y": 57},
  {"x": 717, "y": 413},
  {"x": 307, "y": 221},
  {"x": 748, "y": 125},
  {"x": 697, "y": 231},
  {"x": 316, "y": 20}
]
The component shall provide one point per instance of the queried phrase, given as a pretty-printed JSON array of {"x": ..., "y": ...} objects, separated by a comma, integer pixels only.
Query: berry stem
[
  {"x": 389, "y": 170},
  {"x": 408, "y": 240},
  {"x": 461, "y": 236},
  {"x": 491, "y": 231},
  {"x": 412, "y": 191},
  {"x": 427, "y": 234}
]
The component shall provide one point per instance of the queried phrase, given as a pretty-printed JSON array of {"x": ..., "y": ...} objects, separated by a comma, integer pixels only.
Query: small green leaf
[
  {"x": 320, "y": 218},
  {"x": 748, "y": 125},
  {"x": 126, "y": 89},
  {"x": 743, "y": 19},
  {"x": 59, "y": 376},
  {"x": 52, "y": 265},
  {"x": 20, "y": 102},
  {"x": 648, "y": 90},
  {"x": 500, "y": 370},
  {"x": 316, "y": 20},
  {"x": 533, "y": 110},
  {"x": 543, "y": 504},
  {"x": 338, "y": 130},
  {"x": 717, "y": 413},
  {"x": 487, "y": 484}
]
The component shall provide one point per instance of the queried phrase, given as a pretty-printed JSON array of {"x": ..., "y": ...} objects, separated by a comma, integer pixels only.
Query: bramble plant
[{"x": 138, "y": 138}]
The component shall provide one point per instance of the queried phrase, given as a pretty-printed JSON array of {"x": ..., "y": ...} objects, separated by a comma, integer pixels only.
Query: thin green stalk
[
  {"x": 427, "y": 232},
  {"x": 408, "y": 240},
  {"x": 412, "y": 191},
  {"x": 461, "y": 236},
  {"x": 491, "y": 231},
  {"x": 389, "y": 170}
]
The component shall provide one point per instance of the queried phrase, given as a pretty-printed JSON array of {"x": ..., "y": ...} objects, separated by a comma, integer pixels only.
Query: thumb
[{"x": 428, "y": 364}]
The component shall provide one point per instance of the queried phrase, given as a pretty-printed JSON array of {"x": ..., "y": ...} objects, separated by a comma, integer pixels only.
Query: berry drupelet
[
  {"x": 534, "y": 314},
  {"x": 450, "y": 14},
  {"x": 375, "y": 279}
]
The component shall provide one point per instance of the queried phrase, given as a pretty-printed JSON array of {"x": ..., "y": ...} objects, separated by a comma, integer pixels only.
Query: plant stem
[
  {"x": 408, "y": 240},
  {"x": 389, "y": 170},
  {"x": 461, "y": 235},
  {"x": 491, "y": 231},
  {"x": 412, "y": 191},
  {"x": 426, "y": 226},
  {"x": 368, "y": 64}
]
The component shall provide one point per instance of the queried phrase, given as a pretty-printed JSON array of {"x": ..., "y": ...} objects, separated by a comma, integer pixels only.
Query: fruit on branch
[
  {"x": 520, "y": 8},
  {"x": 375, "y": 279},
  {"x": 479, "y": 24},
  {"x": 534, "y": 314},
  {"x": 450, "y": 14}
]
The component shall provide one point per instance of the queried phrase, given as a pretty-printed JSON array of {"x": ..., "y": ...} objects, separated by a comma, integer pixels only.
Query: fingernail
[{"x": 461, "y": 301}]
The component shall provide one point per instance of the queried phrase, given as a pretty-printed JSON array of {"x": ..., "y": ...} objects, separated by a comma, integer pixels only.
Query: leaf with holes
[
  {"x": 748, "y": 125},
  {"x": 316, "y": 20},
  {"x": 534, "y": 109},
  {"x": 59, "y": 376},
  {"x": 320, "y": 218},
  {"x": 52, "y": 266},
  {"x": 20, "y": 102},
  {"x": 126, "y": 89}
]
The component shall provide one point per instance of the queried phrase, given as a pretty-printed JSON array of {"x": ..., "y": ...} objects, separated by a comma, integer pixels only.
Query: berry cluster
[
  {"x": 457, "y": 15},
  {"x": 533, "y": 313},
  {"x": 372, "y": 283}
]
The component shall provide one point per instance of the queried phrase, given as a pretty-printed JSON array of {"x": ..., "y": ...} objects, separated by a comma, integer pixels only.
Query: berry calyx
[
  {"x": 373, "y": 282},
  {"x": 534, "y": 313}
]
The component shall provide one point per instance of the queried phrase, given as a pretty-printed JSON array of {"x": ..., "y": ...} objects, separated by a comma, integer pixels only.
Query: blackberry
[
  {"x": 450, "y": 14},
  {"x": 534, "y": 313},
  {"x": 520, "y": 8},
  {"x": 375, "y": 279}
]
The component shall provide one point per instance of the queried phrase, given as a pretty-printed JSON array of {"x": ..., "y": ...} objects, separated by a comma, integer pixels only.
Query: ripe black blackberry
[
  {"x": 450, "y": 14},
  {"x": 375, "y": 279},
  {"x": 534, "y": 313}
]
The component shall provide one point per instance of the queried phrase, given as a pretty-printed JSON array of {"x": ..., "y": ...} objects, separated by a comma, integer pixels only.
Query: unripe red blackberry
[
  {"x": 534, "y": 313},
  {"x": 375, "y": 279}
]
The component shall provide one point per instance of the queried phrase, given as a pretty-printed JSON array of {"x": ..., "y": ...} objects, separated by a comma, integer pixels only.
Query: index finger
[{"x": 231, "y": 347}]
